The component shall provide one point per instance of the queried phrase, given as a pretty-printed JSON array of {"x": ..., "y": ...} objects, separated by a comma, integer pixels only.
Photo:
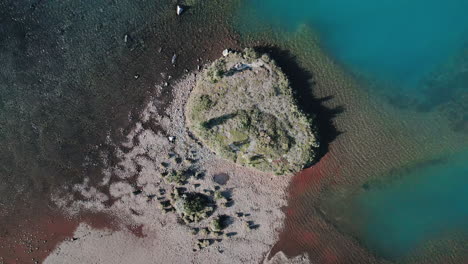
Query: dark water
[
  {"x": 64, "y": 84},
  {"x": 70, "y": 87},
  {"x": 69, "y": 81}
]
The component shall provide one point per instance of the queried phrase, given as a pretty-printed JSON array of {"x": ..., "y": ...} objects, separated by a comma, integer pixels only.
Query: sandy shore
[{"x": 134, "y": 188}]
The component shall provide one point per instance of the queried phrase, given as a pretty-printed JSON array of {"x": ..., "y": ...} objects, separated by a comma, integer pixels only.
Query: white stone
[{"x": 179, "y": 10}]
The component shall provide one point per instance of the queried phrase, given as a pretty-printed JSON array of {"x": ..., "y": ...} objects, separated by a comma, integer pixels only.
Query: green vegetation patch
[
  {"x": 193, "y": 206},
  {"x": 243, "y": 109},
  {"x": 179, "y": 177}
]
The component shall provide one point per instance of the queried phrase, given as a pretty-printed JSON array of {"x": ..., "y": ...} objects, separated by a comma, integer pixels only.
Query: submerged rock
[{"x": 243, "y": 109}]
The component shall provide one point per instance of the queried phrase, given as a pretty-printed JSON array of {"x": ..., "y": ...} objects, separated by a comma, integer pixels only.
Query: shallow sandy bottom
[{"x": 162, "y": 238}]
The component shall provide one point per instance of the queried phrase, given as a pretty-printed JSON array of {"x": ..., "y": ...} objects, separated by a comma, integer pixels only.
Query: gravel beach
[{"x": 254, "y": 216}]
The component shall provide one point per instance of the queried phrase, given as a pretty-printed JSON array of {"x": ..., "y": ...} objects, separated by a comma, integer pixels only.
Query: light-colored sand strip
[{"x": 259, "y": 195}]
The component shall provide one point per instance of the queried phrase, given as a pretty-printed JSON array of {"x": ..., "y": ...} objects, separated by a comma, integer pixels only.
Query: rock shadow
[
  {"x": 226, "y": 221},
  {"x": 302, "y": 83},
  {"x": 221, "y": 178}
]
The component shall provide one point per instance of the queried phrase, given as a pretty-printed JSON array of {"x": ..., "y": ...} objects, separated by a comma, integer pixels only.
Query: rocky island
[
  {"x": 178, "y": 186},
  {"x": 243, "y": 109}
]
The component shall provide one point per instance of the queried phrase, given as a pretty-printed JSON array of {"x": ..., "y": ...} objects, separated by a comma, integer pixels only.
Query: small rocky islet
[
  {"x": 203, "y": 180},
  {"x": 243, "y": 109}
]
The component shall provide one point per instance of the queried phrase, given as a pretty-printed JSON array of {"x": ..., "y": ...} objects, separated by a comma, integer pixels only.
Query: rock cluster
[{"x": 243, "y": 109}]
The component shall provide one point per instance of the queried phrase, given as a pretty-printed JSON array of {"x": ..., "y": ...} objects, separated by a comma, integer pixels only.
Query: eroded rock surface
[{"x": 243, "y": 109}]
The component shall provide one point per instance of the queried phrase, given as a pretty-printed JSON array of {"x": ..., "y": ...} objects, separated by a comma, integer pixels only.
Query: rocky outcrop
[{"x": 243, "y": 109}]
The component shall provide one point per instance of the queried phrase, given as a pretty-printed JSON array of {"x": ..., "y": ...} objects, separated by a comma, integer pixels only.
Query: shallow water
[
  {"x": 408, "y": 107},
  {"x": 428, "y": 202},
  {"x": 400, "y": 42}
]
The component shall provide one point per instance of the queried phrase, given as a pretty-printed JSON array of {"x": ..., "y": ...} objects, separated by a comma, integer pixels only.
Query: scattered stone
[
  {"x": 189, "y": 161},
  {"x": 205, "y": 242},
  {"x": 216, "y": 224},
  {"x": 194, "y": 231},
  {"x": 204, "y": 231},
  {"x": 174, "y": 58},
  {"x": 179, "y": 10},
  {"x": 137, "y": 76},
  {"x": 171, "y": 139},
  {"x": 218, "y": 195},
  {"x": 231, "y": 234},
  {"x": 200, "y": 175},
  {"x": 168, "y": 210}
]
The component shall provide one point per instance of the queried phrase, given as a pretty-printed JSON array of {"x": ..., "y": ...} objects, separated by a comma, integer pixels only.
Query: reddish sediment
[
  {"x": 31, "y": 239},
  {"x": 32, "y": 236},
  {"x": 306, "y": 231}
]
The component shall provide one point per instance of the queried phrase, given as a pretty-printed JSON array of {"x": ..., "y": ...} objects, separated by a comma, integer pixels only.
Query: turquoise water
[
  {"x": 405, "y": 43},
  {"x": 398, "y": 41},
  {"x": 428, "y": 203}
]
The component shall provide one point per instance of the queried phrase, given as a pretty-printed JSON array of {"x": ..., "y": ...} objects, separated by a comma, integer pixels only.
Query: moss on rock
[{"x": 243, "y": 109}]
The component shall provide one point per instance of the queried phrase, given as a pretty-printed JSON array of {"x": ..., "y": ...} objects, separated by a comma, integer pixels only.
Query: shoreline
[
  {"x": 259, "y": 196},
  {"x": 141, "y": 57}
]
